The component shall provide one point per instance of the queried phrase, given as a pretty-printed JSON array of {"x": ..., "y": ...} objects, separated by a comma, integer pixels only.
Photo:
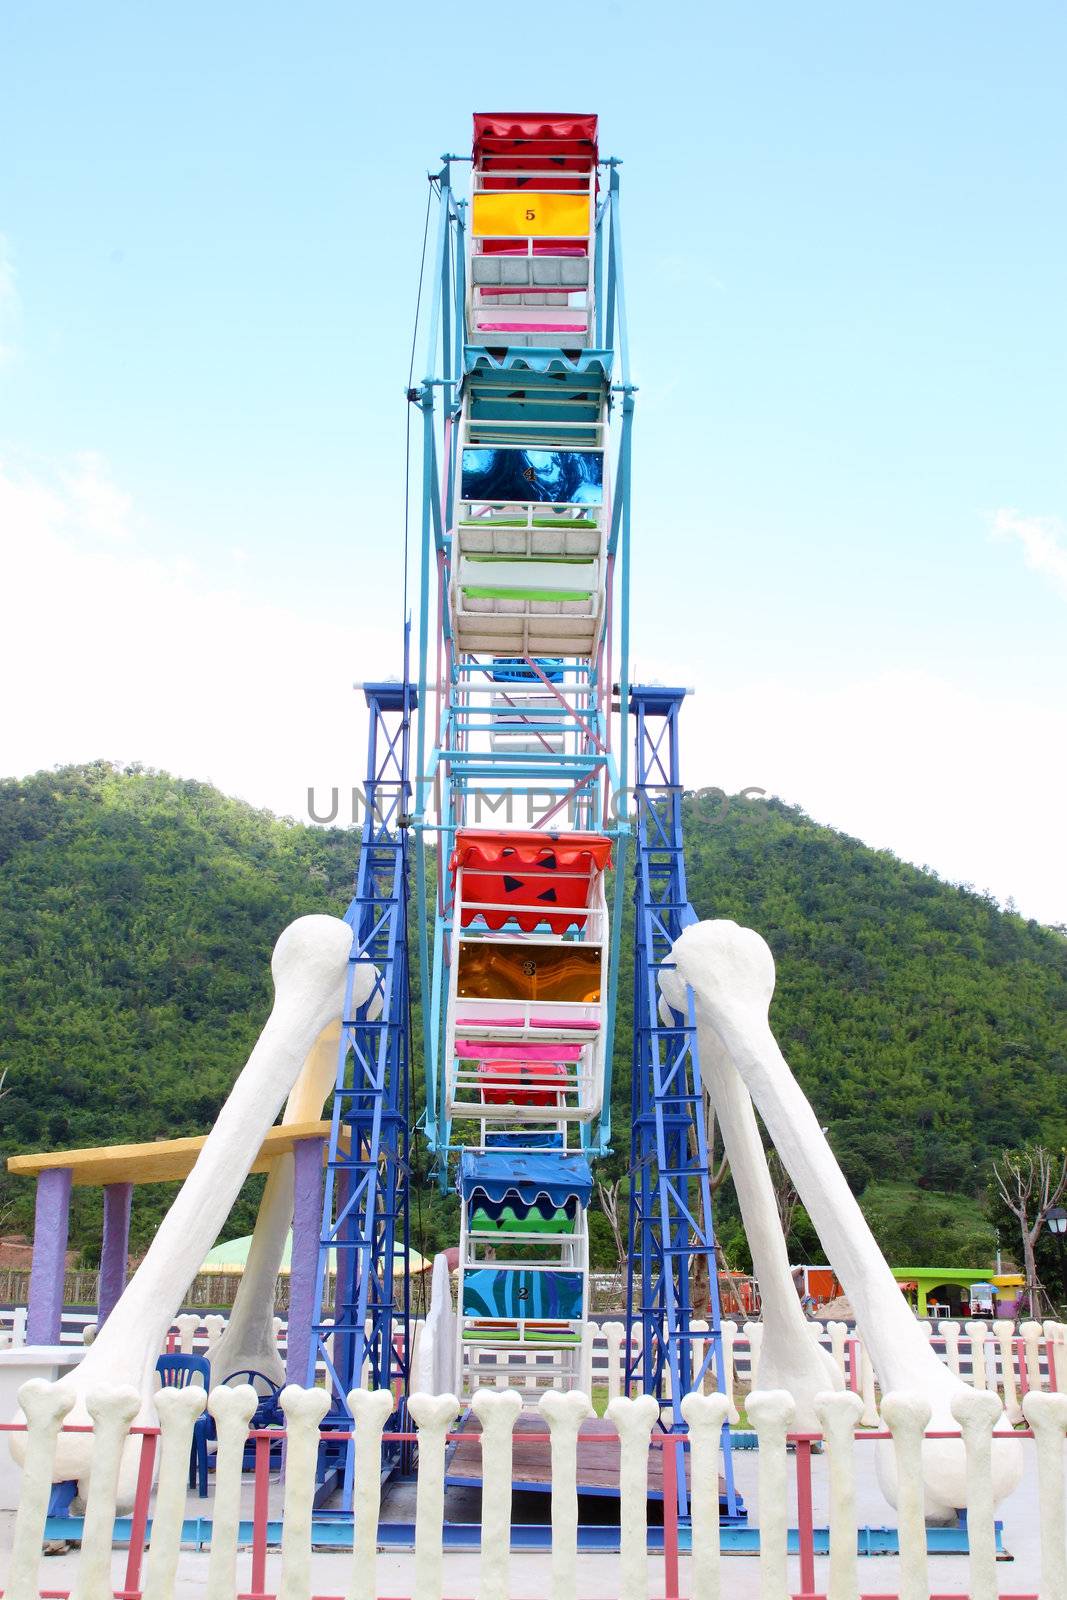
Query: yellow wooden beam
[{"x": 163, "y": 1161}]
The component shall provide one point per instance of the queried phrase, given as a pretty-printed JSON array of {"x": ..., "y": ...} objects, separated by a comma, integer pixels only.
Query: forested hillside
[
  {"x": 927, "y": 1026},
  {"x": 137, "y": 915}
]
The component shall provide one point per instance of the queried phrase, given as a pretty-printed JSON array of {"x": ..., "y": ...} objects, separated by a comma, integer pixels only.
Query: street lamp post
[{"x": 1056, "y": 1221}]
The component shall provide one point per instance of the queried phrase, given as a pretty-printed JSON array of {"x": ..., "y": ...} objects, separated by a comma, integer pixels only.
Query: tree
[
  {"x": 5, "y": 1209},
  {"x": 610, "y": 1195},
  {"x": 785, "y": 1195},
  {"x": 1029, "y": 1183}
]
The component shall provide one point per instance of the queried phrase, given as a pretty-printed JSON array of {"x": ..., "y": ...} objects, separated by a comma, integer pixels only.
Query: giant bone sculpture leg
[
  {"x": 308, "y": 966},
  {"x": 731, "y": 971},
  {"x": 789, "y": 1357},
  {"x": 249, "y": 1342}
]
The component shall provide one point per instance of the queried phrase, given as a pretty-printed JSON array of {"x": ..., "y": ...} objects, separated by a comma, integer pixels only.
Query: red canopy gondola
[
  {"x": 535, "y": 139},
  {"x": 533, "y": 872}
]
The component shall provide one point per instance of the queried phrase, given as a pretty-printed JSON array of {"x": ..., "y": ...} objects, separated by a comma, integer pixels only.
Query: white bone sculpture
[
  {"x": 788, "y": 1357},
  {"x": 731, "y": 972},
  {"x": 308, "y": 966},
  {"x": 249, "y": 1342}
]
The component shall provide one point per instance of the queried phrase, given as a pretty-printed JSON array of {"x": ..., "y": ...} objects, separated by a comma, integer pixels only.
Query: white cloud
[
  {"x": 110, "y": 652},
  {"x": 9, "y": 300},
  {"x": 1044, "y": 542},
  {"x": 97, "y": 503},
  {"x": 906, "y": 761}
]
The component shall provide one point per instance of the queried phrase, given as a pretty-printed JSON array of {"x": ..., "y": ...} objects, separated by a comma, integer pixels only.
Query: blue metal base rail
[{"x": 336, "y": 1533}]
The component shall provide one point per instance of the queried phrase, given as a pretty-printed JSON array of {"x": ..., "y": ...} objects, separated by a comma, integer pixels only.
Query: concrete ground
[{"x": 598, "y": 1572}]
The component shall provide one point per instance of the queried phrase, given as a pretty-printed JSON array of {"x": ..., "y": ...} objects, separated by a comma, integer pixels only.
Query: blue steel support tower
[
  {"x": 365, "y": 1219},
  {"x": 670, "y": 1214}
]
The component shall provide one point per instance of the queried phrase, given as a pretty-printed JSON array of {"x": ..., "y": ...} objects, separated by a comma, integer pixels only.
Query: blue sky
[{"x": 845, "y": 231}]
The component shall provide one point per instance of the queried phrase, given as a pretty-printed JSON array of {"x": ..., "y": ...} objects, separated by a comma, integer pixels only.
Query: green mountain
[{"x": 138, "y": 911}]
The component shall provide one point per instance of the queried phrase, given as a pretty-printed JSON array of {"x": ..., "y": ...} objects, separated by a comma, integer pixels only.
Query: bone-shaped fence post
[
  {"x": 434, "y": 1414},
  {"x": 977, "y": 1333},
  {"x": 214, "y": 1327},
  {"x": 1054, "y": 1342},
  {"x": 1047, "y": 1416},
  {"x": 614, "y": 1333},
  {"x": 497, "y": 1411},
  {"x": 585, "y": 1358},
  {"x": 704, "y": 1415},
  {"x": 907, "y": 1417},
  {"x": 838, "y": 1332},
  {"x": 1031, "y": 1334},
  {"x": 753, "y": 1332},
  {"x": 564, "y": 1414},
  {"x": 304, "y": 1409},
  {"x": 44, "y": 1406},
  {"x": 177, "y": 1410},
  {"x": 112, "y": 1410},
  {"x": 634, "y": 1421},
  {"x": 232, "y": 1409},
  {"x": 188, "y": 1326},
  {"x": 950, "y": 1332},
  {"x": 1004, "y": 1333},
  {"x": 771, "y": 1413},
  {"x": 870, "y": 1401},
  {"x": 839, "y": 1416},
  {"x": 729, "y": 1335},
  {"x": 977, "y": 1414},
  {"x": 371, "y": 1410},
  {"x": 699, "y": 1346},
  {"x": 1060, "y": 1342}
]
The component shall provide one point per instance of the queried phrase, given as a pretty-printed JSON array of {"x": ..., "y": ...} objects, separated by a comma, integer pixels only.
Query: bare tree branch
[
  {"x": 785, "y": 1196},
  {"x": 719, "y": 1176},
  {"x": 1030, "y": 1182}
]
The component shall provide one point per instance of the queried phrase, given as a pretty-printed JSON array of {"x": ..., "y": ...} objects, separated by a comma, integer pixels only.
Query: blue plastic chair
[{"x": 179, "y": 1372}]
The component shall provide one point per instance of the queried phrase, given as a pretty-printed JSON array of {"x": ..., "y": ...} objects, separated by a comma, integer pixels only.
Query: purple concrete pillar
[
  {"x": 342, "y": 1188},
  {"x": 114, "y": 1248},
  {"x": 307, "y": 1220},
  {"x": 343, "y": 1181},
  {"x": 44, "y": 1313}
]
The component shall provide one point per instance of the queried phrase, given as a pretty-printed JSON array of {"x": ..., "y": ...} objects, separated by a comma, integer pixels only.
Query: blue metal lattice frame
[
  {"x": 365, "y": 1217},
  {"x": 670, "y": 1212}
]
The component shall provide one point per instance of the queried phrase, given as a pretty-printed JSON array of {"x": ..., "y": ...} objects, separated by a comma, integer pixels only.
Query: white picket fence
[
  {"x": 770, "y": 1413},
  {"x": 1004, "y": 1357}
]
